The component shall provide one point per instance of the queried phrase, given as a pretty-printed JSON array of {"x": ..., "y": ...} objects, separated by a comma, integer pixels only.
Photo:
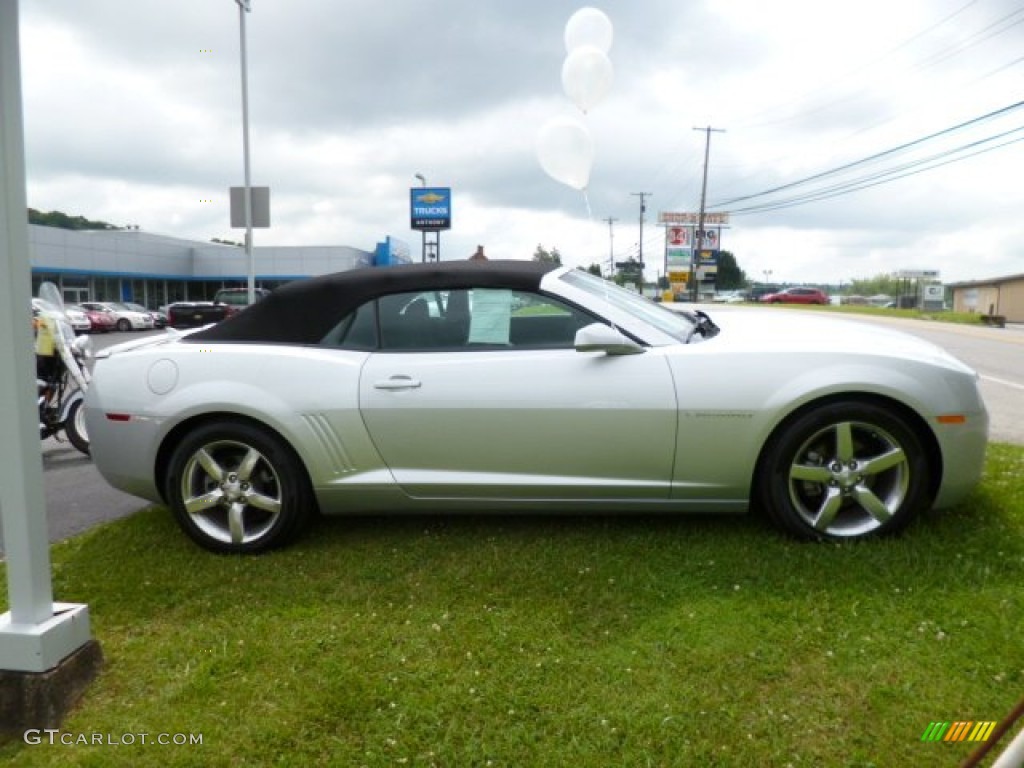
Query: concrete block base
[{"x": 42, "y": 699}]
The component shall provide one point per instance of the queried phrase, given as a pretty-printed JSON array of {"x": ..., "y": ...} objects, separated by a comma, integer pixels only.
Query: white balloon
[
  {"x": 588, "y": 26},
  {"x": 587, "y": 76},
  {"x": 566, "y": 151}
]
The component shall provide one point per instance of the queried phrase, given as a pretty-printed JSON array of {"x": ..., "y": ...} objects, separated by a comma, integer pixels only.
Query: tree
[
  {"x": 595, "y": 269},
  {"x": 730, "y": 276},
  {"x": 871, "y": 286},
  {"x": 547, "y": 257},
  {"x": 61, "y": 220}
]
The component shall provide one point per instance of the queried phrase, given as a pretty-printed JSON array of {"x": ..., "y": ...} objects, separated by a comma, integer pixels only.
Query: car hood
[{"x": 781, "y": 332}]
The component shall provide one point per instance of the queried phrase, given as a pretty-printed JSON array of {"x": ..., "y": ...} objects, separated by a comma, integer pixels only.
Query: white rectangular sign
[{"x": 710, "y": 219}]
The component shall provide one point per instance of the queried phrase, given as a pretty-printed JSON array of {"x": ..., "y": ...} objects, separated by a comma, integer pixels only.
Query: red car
[
  {"x": 796, "y": 296},
  {"x": 100, "y": 322}
]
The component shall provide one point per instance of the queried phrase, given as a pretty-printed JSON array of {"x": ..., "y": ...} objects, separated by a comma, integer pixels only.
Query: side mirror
[{"x": 598, "y": 337}]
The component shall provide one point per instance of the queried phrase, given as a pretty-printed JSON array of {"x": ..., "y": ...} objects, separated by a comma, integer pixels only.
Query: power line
[
  {"x": 971, "y": 31},
  {"x": 993, "y": 29},
  {"x": 887, "y": 175},
  {"x": 870, "y": 158}
]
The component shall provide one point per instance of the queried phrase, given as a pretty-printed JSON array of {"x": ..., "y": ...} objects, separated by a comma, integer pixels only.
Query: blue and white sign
[{"x": 430, "y": 208}]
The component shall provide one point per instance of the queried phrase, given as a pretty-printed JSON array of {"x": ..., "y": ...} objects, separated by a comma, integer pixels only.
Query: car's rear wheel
[
  {"x": 234, "y": 487},
  {"x": 845, "y": 470}
]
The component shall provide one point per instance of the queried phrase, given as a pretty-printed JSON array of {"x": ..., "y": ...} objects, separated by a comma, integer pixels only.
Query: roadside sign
[{"x": 430, "y": 208}]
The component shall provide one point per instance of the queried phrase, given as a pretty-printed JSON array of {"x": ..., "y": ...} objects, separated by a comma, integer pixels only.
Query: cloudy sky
[{"x": 133, "y": 116}]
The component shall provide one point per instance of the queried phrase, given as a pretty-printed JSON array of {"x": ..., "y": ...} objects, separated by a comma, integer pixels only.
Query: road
[{"x": 77, "y": 498}]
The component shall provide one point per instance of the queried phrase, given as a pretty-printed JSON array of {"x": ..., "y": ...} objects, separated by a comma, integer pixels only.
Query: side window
[
  {"x": 540, "y": 322},
  {"x": 415, "y": 321},
  {"x": 357, "y": 330},
  {"x": 460, "y": 319}
]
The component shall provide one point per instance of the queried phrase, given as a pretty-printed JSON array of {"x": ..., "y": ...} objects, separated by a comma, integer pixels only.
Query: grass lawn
[
  {"x": 944, "y": 316},
  {"x": 507, "y": 641}
]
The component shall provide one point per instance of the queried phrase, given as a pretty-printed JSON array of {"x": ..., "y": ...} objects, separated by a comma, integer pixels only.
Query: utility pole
[
  {"x": 643, "y": 209},
  {"x": 611, "y": 246},
  {"x": 700, "y": 216}
]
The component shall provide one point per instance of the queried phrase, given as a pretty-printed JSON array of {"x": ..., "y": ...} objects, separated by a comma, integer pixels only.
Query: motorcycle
[{"x": 62, "y": 372}]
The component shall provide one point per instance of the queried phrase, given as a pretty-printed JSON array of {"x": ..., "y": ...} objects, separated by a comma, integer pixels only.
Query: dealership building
[{"x": 156, "y": 270}]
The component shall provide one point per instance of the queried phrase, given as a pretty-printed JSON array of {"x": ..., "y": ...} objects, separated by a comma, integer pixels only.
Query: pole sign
[
  {"x": 678, "y": 247},
  {"x": 430, "y": 208},
  {"x": 259, "y": 207},
  {"x": 710, "y": 219}
]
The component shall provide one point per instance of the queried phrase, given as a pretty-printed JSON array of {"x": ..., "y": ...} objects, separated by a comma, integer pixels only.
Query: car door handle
[{"x": 398, "y": 382}]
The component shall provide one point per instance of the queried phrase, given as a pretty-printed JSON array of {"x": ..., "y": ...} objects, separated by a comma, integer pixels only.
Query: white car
[
  {"x": 520, "y": 386},
  {"x": 78, "y": 319},
  {"x": 125, "y": 319},
  {"x": 730, "y": 297}
]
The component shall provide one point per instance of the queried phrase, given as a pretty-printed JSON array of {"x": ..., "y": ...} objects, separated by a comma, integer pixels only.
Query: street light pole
[
  {"x": 423, "y": 233},
  {"x": 244, "y": 7}
]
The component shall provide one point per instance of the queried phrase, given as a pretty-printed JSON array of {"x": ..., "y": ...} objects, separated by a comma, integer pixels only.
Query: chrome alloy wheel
[
  {"x": 231, "y": 492},
  {"x": 849, "y": 478}
]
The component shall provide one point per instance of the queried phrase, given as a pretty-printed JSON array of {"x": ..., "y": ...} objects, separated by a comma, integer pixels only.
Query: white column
[{"x": 35, "y": 635}]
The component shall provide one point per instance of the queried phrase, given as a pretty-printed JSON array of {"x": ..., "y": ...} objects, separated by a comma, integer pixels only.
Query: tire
[
  {"x": 845, "y": 470},
  {"x": 234, "y": 487},
  {"x": 124, "y": 325},
  {"x": 74, "y": 427}
]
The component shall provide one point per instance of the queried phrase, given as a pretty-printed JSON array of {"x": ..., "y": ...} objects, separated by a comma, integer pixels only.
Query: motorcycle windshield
[{"x": 50, "y": 293}]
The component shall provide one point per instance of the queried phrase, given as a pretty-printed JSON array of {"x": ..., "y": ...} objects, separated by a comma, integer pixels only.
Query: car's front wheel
[
  {"x": 844, "y": 470},
  {"x": 234, "y": 487}
]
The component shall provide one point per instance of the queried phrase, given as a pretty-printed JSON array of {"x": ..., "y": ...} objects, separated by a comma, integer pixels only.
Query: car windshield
[{"x": 676, "y": 325}]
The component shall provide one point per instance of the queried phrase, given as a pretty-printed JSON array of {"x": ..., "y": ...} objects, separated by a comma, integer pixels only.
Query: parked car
[
  {"x": 194, "y": 314},
  {"x": 796, "y": 296},
  {"x": 125, "y": 319},
  {"x": 512, "y": 386},
  {"x": 159, "y": 318},
  {"x": 237, "y": 299},
  {"x": 854, "y": 300},
  {"x": 78, "y": 319},
  {"x": 99, "y": 322},
  {"x": 730, "y": 297}
]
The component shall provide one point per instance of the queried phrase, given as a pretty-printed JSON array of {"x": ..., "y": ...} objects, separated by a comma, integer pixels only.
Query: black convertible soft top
[{"x": 302, "y": 312}]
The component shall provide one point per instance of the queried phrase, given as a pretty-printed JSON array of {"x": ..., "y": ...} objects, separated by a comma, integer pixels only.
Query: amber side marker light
[{"x": 952, "y": 418}]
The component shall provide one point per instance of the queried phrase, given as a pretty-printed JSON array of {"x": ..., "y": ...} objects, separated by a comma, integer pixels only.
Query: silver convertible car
[{"x": 508, "y": 386}]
